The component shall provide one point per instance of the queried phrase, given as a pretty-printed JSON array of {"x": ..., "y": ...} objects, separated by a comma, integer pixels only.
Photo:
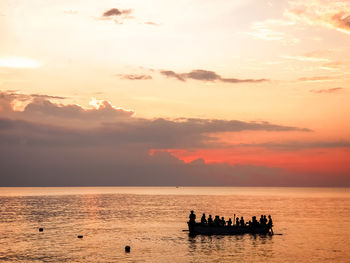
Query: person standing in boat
[
  {"x": 203, "y": 220},
  {"x": 270, "y": 222},
  {"x": 192, "y": 217}
]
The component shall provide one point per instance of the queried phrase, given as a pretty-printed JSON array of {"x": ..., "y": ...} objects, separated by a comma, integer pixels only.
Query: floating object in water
[
  {"x": 80, "y": 236},
  {"x": 41, "y": 229},
  {"x": 127, "y": 249}
]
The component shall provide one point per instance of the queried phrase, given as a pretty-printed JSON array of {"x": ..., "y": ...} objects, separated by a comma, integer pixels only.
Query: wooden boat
[{"x": 205, "y": 229}]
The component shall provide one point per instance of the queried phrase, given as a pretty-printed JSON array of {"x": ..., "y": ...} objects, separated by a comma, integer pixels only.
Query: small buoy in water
[
  {"x": 127, "y": 249},
  {"x": 41, "y": 229},
  {"x": 80, "y": 236}
]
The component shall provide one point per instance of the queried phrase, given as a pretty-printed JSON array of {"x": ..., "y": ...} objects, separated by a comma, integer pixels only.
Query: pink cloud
[{"x": 329, "y": 13}]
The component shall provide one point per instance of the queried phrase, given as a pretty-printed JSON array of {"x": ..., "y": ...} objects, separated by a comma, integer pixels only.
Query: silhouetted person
[
  {"x": 241, "y": 221},
  {"x": 261, "y": 221},
  {"x": 210, "y": 220},
  {"x": 254, "y": 222},
  {"x": 217, "y": 221},
  {"x": 203, "y": 219},
  {"x": 250, "y": 225},
  {"x": 223, "y": 222},
  {"x": 229, "y": 222},
  {"x": 270, "y": 222},
  {"x": 237, "y": 221},
  {"x": 265, "y": 220},
  {"x": 192, "y": 217}
]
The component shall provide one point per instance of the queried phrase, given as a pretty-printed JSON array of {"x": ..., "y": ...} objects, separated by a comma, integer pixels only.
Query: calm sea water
[{"x": 314, "y": 223}]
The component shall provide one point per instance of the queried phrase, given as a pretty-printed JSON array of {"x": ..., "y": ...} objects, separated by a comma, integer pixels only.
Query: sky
[{"x": 195, "y": 92}]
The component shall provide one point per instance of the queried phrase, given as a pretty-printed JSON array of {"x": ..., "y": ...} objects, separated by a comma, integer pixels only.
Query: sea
[{"x": 310, "y": 224}]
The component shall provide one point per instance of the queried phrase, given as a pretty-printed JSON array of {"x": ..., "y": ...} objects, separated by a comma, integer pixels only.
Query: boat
[
  {"x": 205, "y": 229},
  {"x": 219, "y": 227}
]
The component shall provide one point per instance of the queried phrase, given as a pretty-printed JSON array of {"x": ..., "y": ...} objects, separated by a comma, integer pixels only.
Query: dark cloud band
[{"x": 206, "y": 75}]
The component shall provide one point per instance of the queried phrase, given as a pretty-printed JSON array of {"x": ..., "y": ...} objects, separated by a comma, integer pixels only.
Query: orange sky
[{"x": 282, "y": 62}]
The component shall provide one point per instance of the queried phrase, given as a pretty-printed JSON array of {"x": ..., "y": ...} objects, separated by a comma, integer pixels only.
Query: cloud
[
  {"x": 200, "y": 74},
  {"x": 14, "y": 94},
  {"x": 300, "y": 145},
  {"x": 151, "y": 23},
  {"x": 172, "y": 74},
  {"x": 134, "y": 76},
  {"x": 341, "y": 20},
  {"x": 329, "y": 13},
  {"x": 206, "y": 75},
  {"x": 331, "y": 90},
  {"x": 333, "y": 65},
  {"x": 271, "y": 30},
  {"x": 13, "y": 100},
  {"x": 317, "y": 78},
  {"x": 116, "y": 12},
  {"x": 139, "y": 133},
  {"x": 117, "y": 15},
  {"x": 34, "y": 154},
  {"x": 39, "y": 108},
  {"x": 121, "y": 125},
  {"x": 306, "y": 58},
  {"x": 27, "y": 165},
  {"x": 49, "y": 144}
]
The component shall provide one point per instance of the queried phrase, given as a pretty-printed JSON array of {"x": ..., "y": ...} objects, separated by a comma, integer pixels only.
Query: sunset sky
[{"x": 195, "y": 92}]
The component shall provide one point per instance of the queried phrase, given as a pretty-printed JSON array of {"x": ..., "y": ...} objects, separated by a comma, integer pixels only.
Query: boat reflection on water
[{"x": 240, "y": 246}]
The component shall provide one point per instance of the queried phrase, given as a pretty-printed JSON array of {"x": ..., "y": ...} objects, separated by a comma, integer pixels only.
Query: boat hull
[{"x": 199, "y": 229}]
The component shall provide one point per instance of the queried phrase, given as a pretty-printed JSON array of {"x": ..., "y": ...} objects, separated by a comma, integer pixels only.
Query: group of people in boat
[{"x": 221, "y": 222}]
